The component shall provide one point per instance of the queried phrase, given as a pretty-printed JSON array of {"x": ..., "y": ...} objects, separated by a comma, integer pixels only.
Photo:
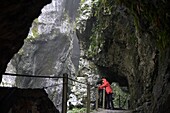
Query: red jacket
[{"x": 106, "y": 85}]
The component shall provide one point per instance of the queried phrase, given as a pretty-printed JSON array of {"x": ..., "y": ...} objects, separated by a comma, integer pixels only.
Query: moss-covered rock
[{"x": 129, "y": 42}]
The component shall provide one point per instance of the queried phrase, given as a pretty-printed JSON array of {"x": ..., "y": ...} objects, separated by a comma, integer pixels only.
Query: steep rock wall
[
  {"x": 50, "y": 49},
  {"x": 129, "y": 42},
  {"x": 16, "y": 18}
]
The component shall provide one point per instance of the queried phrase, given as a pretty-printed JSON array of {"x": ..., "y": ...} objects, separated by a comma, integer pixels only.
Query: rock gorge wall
[
  {"x": 16, "y": 18},
  {"x": 129, "y": 42},
  {"x": 50, "y": 49}
]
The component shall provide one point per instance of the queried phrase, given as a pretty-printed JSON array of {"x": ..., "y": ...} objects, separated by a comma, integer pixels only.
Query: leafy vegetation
[
  {"x": 120, "y": 97},
  {"x": 77, "y": 110},
  {"x": 102, "y": 13},
  {"x": 101, "y": 10}
]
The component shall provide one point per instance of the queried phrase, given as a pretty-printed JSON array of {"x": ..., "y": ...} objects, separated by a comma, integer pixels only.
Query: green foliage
[
  {"x": 77, "y": 110},
  {"x": 102, "y": 10},
  {"x": 120, "y": 97},
  {"x": 96, "y": 44}
]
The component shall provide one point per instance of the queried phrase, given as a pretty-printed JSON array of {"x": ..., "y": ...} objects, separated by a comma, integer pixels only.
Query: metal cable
[
  {"x": 34, "y": 76},
  {"x": 51, "y": 86},
  {"x": 76, "y": 81},
  {"x": 76, "y": 85}
]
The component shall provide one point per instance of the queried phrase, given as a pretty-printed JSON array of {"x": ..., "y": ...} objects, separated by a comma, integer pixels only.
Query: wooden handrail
[
  {"x": 88, "y": 98},
  {"x": 103, "y": 98},
  {"x": 65, "y": 89},
  {"x": 97, "y": 98}
]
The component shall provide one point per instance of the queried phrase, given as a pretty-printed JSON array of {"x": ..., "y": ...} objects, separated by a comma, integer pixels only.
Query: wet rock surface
[
  {"x": 16, "y": 18},
  {"x": 123, "y": 44}
]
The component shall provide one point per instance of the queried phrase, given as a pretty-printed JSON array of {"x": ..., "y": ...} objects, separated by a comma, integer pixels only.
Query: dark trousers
[{"x": 109, "y": 101}]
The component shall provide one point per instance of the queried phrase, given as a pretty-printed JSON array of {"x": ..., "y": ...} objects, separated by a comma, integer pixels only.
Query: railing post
[
  {"x": 119, "y": 101},
  {"x": 97, "y": 98},
  {"x": 128, "y": 104},
  {"x": 65, "y": 87},
  {"x": 103, "y": 98},
  {"x": 88, "y": 98}
]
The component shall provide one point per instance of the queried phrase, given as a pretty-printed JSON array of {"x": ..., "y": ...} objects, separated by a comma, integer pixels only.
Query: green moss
[
  {"x": 77, "y": 110},
  {"x": 163, "y": 40},
  {"x": 35, "y": 28},
  {"x": 36, "y": 21},
  {"x": 155, "y": 15},
  {"x": 34, "y": 31},
  {"x": 21, "y": 51},
  {"x": 148, "y": 17},
  {"x": 82, "y": 1},
  {"x": 102, "y": 10}
]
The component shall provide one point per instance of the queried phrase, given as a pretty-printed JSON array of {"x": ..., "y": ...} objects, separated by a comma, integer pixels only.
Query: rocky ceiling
[{"x": 16, "y": 17}]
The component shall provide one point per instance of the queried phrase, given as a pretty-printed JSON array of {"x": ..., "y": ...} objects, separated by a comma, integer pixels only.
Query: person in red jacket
[{"x": 109, "y": 92}]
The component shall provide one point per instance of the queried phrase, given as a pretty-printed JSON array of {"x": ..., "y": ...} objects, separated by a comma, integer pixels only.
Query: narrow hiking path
[{"x": 111, "y": 111}]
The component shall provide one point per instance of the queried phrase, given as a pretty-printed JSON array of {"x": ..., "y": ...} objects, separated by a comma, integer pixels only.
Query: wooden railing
[
  {"x": 65, "y": 91},
  {"x": 65, "y": 88}
]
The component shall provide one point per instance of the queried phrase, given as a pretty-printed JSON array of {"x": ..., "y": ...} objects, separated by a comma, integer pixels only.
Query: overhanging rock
[{"x": 16, "y": 17}]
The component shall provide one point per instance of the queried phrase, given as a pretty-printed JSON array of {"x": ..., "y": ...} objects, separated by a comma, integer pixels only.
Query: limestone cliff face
[
  {"x": 50, "y": 49},
  {"x": 130, "y": 44},
  {"x": 16, "y": 18}
]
